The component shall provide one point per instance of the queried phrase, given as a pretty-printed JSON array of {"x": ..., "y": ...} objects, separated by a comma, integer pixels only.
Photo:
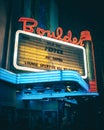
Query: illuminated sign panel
[{"x": 39, "y": 53}]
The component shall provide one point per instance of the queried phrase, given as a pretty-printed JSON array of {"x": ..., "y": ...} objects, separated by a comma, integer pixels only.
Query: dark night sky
[{"x": 83, "y": 15}]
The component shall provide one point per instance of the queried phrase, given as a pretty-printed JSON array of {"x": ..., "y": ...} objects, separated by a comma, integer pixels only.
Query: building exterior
[{"x": 47, "y": 78}]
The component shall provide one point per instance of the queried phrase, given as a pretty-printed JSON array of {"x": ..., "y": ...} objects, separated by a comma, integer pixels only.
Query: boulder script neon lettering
[{"x": 33, "y": 28}]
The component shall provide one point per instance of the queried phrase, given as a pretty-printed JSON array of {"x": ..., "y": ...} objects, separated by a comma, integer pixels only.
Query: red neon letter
[
  {"x": 40, "y": 31},
  {"x": 70, "y": 36},
  {"x": 59, "y": 33},
  {"x": 75, "y": 40},
  {"x": 28, "y": 28}
]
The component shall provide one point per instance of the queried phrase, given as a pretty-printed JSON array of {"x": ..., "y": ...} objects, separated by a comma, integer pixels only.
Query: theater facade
[{"x": 47, "y": 76}]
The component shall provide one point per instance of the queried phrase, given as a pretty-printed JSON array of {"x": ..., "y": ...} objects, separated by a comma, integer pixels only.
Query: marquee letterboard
[{"x": 33, "y": 52}]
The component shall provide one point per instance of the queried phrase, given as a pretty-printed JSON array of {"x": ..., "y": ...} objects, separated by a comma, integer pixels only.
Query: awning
[{"x": 47, "y": 77}]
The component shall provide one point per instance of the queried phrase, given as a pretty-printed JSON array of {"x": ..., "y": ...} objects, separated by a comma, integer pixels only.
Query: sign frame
[{"x": 44, "y": 38}]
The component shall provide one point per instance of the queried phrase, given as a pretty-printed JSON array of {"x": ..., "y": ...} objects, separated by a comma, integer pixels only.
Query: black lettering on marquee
[{"x": 54, "y": 50}]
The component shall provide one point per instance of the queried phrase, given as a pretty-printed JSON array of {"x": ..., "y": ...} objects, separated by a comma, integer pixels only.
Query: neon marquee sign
[
  {"x": 33, "y": 27},
  {"x": 36, "y": 53}
]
